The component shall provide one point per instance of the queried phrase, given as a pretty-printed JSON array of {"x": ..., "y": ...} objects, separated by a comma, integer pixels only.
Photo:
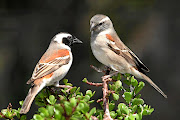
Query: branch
[
  {"x": 106, "y": 100},
  {"x": 93, "y": 84}
]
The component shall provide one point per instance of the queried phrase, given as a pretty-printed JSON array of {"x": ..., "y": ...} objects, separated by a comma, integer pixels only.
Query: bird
[
  {"x": 51, "y": 68},
  {"x": 109, "y": 50}
]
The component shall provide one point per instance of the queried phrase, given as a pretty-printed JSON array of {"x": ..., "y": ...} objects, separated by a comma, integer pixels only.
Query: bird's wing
[
  {"x": 116, "y": 45},
  {"x": 50, "y": 63}
]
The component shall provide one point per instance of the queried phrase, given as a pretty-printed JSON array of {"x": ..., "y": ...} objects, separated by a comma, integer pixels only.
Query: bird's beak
[
  {"x": 92, "y": 25},
  {"x": 75, "y": 40}
]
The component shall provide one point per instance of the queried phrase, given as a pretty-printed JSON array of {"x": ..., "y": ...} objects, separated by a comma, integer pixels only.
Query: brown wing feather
[
  {"x": 128, "y": 54},
  {"x": 43, "y": 69}
]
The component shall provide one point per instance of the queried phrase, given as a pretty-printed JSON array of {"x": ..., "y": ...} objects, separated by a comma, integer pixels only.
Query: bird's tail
[
  {"x": 29, "y": 99},
  {"x": 153, "y": 84}
]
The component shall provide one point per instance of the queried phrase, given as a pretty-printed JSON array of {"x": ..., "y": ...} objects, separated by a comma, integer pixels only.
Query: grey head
[{"x": 99, "y": 23}]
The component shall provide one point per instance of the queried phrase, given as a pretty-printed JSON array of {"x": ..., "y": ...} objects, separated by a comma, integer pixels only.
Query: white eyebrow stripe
[{"x": 104, "y": 19}]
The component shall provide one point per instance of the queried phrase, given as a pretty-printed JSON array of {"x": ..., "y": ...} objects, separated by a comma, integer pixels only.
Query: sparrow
[
  {"x": 52, "y": 67},
  {"x": 109, "y": 50}
]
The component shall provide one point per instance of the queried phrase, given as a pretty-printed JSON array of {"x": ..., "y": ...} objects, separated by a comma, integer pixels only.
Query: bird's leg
[
  {"x": 109, "y": 75},
  {"x": 63, "y": 86},
  {"x": 97, "y": 69}
]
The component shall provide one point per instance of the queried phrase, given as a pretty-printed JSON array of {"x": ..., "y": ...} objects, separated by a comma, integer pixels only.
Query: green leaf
[
  {"x": 86, "y": 108},
  {"x": 90, "y": 101},
  {"x": 120, "y": 118},
  {"x": 138, "y": 96},
  {"x": 112, "y": 87},
  {"x": 52, "y": 99},
  {"x": 21, "y": 102},
  {"x": 87, "y": 98},
  {"x": 134, "y": 108},
  {"x": 23, "y": 117},
  {"x": 139, "y": 87},
  {"x": 89, "y": 92},
  {"x": 65, "y": 81},
  {"x": 64, "y": 91},
  {"x": 92, "y": 111},
  {"x": 43, "y": 112},
  {"x": 57, "y": 115},
  {"x": 111, "y": 105},
  {"x": 40, "y": 103},
  {"x": 77, "y": 90},
  {"x": 50, "y": 110},
  {"x": 61, "y": 97},
  {"x": 73, "y": 90},
  {"x": 37, "y": 117},
  {"x": 80, "y": 106},
  {"x": 117, "y": 77},
  {"x": 68, "y": 108},
  {"x": 58, "y": 107},
  {"x": 73, "y": 101},
  {"x": 115, "y": 96},
  {"x": 134, "y": 82},
  {"x": 127, "y": 96},
  {"x": 85, "y": 80},
  {"x": 137, "y": 101},
  {"x": 118, "y": 84},
  {"x": 147, "y": 110},
  {"x": 127, "y": 82},
  {"x": 131, "y": 117},
  {"x": 136, "y": 116},
  {"x": 126, "y": 118},
  {"x": 123, "y": 108},
  {"x": 113, "y": 114}
]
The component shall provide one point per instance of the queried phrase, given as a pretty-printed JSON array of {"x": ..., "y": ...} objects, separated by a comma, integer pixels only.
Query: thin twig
[
  {"x": 65, "y": 86},
  {"x": 99, "y": 100},
  {"x": 94, "y": 84}
]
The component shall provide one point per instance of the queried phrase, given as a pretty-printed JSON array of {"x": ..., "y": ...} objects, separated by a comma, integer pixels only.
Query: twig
[
  {"x": 65, "y": 86},
  {"x": 99, "y": 100},
  {"x": 105, "y": 79},
  {"x": 94, "y": 84}
]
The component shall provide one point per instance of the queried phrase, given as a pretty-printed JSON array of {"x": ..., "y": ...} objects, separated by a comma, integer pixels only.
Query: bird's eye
[
  {"x": 66, "y": 41},
  {"x": 101, "y": 23}
]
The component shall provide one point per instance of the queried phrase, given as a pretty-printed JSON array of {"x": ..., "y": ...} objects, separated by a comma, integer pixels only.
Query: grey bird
[{"x": 112, "y": 52}]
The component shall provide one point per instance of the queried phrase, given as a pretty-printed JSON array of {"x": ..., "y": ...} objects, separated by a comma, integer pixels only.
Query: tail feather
[
  {"x": 29, "y": 99},
  {"x": 153, "y": 84}
]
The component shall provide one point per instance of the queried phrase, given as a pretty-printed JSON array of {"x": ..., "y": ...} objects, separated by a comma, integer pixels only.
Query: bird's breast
[{"x": 99, "y": 49}]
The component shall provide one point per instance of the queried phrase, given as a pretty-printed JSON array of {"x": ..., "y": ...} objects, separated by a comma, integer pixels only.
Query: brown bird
[
  {"x": 51, "y": 68},
  {"x": 112, "y": 52}
]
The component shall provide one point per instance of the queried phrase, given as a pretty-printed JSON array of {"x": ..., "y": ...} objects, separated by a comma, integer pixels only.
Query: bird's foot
[
  {"x": 110, "y": 75},
  {"x": 65, "y": 86}
]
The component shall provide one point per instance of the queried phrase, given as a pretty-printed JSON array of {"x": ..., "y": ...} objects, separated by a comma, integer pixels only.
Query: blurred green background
[{"x": 150, "y": 28}]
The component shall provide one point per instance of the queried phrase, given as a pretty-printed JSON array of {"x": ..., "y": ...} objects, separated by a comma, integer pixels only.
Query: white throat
[{"x": 105, "y": 32}]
